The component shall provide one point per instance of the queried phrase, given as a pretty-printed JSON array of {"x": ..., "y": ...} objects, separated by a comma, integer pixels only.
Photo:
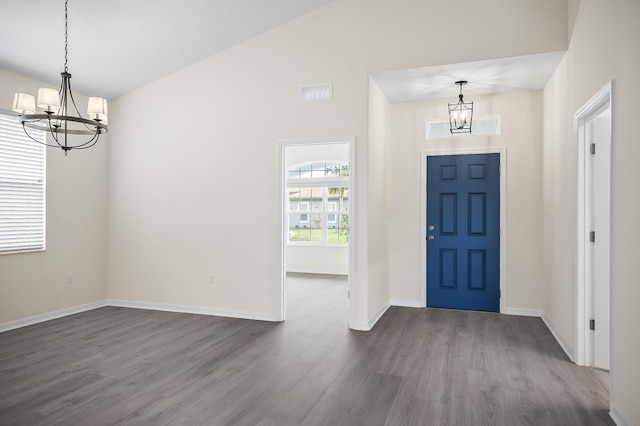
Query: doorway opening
[
  {"x": 316, "y": 225},
  {"x": 593, "y": 291},
  {"x": 502, "y": 231}
]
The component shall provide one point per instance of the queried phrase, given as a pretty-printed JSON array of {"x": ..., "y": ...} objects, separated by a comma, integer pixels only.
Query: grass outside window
[{"x": 315, "y": 235}]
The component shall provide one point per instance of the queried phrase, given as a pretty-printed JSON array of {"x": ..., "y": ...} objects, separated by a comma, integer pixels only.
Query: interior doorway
[
  {"x": 316, "y": 217},
  {"x": 593, "y": 133}
]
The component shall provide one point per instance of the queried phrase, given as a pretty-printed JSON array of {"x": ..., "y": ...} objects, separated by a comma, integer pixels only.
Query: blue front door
[{"x": 463, "y": 232}]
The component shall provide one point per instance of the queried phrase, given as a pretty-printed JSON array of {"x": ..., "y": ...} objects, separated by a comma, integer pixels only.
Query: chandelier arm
[
  {"x": 54, "y": 133},
  {"x": 36, "y": 140},
  {"x": 73, "y": 101},
  {"x": 93, "y": 141}
]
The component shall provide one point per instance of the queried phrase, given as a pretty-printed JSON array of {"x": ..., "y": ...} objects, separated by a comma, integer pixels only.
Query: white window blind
[{"x": 22, "y": 188}]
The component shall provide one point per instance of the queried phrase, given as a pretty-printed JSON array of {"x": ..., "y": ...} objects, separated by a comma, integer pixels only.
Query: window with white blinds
[{"x": 22, "y": 188}]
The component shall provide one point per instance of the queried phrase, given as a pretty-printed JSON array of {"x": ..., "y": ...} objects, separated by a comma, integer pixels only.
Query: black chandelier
[
  {"x": 57, "y": 115},
  {"x": 460, "y": 114}
]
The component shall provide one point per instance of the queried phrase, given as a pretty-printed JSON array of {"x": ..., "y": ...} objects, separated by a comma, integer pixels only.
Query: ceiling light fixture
[
  {"x": 58, "y": 117},
  {"x": 460, "y": 114}
]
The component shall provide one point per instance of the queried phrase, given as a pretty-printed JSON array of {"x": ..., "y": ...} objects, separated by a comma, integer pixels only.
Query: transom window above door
[{"x": 486, "y": 125}]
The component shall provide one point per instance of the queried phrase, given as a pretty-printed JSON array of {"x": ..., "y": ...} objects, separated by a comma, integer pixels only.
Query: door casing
[
  {"x": 503, "y": 216},
  {"x": 281, "y": 294},
  {"x": 584, "y": 298}
]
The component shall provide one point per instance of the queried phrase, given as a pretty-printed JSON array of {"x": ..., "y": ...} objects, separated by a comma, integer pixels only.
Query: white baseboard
[
  {"x": 319, "y": 272},
  {"x": 51, "y": 315},
  {"x": 524, "y": 312},
  {"x": 367, "y": 326},
  {"x": 377, "y": 316},
  {"x": 406, "y": 303},
  {"x": 554, "y": 331},
  {"x": 201, "y": 310},
  {"x": 139, "y": 305},
  {"x": 359, "y": 326},
  {"x": 617, "y": 416},
  {"x": 563, "y": 343}
]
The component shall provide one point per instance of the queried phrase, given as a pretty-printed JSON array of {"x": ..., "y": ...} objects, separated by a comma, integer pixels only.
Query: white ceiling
[
  {"x": 118, "y": 45},
  {"x": 521, "y": 73}
]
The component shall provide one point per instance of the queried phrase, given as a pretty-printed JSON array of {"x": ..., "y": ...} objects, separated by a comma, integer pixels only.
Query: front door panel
[{"x": 463, "y": 232}]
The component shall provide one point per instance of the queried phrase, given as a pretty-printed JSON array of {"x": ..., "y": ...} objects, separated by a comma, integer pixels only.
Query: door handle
[{"x": 431, "y": 238}]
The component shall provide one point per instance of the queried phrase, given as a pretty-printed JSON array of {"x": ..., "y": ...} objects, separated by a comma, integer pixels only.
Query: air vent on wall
[{"x": 316, "y": 92}]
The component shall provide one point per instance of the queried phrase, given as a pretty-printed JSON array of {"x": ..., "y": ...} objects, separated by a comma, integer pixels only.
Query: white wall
[
  {"x": 378, "y": 200},
  {"x": 522, "y": 137},
  {"x": 166, "y": 228},
  {"x": 604, "y": 46},
  {"x": 311, "y": 153},
  {"x": 317, "y": 259},
  {"x": 36, "y": 283}
]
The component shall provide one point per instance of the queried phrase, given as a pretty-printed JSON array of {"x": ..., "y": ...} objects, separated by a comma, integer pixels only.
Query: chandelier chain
[{"x": 66, "y": 34}]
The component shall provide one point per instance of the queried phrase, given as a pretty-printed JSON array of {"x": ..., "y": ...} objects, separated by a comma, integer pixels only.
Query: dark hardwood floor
[{"x": 117, "y": 366}]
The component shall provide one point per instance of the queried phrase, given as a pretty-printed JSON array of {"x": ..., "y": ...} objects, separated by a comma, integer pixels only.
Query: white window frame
[
  {"x": 22, "y": 181},
  {"x": 318, "y": 182}
]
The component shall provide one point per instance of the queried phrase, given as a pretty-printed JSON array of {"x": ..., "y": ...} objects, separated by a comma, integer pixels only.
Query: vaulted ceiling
[{"x": 118, "y": 45}]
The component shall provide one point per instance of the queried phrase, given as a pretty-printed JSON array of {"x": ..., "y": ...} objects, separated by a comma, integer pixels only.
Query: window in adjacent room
[
  {"x": 22, "y": 187},
  {"x": 318, "y": 203}
]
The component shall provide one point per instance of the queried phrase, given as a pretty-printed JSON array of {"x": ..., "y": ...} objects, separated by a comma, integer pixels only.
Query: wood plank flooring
[{"x": 117, "y": 366}]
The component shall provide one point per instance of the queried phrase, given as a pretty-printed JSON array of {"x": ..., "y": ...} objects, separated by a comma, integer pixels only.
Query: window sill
[{"x": 22, "y": 252}]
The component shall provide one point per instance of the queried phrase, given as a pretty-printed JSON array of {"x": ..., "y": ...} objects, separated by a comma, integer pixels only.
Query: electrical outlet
[
  {"x": 70, "y": 279},
  {"x": 210, "y": 282}
]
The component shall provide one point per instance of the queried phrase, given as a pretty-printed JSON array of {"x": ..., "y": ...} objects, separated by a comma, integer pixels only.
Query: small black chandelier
[
  {"x": 57, "y": 115},
  {"x": 460, "y": 114}
]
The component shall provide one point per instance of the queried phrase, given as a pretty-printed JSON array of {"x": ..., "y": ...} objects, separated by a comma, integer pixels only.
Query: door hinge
[
  {"x": 592, "y": 324},
  {"x": 499, "y": 294},
  {"x": 348, "y": 294},
  {"x": 593, "y": 148},
  {"x": 592, "y": 236}
]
